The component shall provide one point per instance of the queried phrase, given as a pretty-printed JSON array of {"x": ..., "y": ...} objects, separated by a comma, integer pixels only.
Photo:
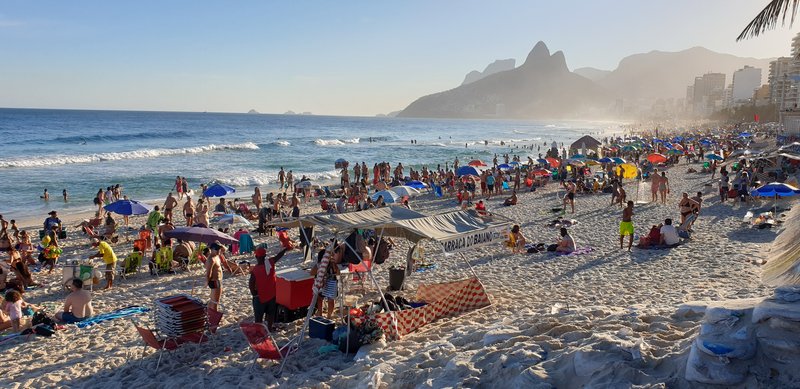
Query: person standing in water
[
  {"x": 64, "y": 193},
  {"x": 45, "y": 196}
]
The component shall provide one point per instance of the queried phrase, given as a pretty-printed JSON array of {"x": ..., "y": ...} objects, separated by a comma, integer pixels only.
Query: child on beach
[{"x": 13, "y": 307}]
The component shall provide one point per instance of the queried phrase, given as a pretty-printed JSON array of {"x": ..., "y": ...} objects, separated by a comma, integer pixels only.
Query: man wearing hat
[
  {"x": 52, "y": 223},
  {"x": 105, "y": 251},
  {"x": 262, "y": 286}
]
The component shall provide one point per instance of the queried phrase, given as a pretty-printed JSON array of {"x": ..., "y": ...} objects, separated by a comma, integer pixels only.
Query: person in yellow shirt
[{"x": 105, "y": 251}]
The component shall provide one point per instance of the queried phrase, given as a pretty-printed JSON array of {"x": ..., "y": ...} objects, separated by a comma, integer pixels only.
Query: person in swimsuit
[
  {"x": 169, "y": 204},
  {"x": 178, "y": 187},
  {"x": 188, "y": 211},
  {"x": 78, "y": 305},
  {"x": 663, "y": 187},
  {"x": 626, "y": 226},
  {"x": 687, "y": 206},
  {"x": 655, "y": 181},
  {"x": 570, "y": 196}
]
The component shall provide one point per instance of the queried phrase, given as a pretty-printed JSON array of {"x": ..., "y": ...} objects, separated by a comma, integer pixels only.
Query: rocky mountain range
[{"x": 543, "y": 86}]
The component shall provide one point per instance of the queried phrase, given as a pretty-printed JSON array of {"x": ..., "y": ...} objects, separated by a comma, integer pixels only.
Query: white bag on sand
[
  {"x": 772, "y": 308},
  {"x": 712, "y": 370}
]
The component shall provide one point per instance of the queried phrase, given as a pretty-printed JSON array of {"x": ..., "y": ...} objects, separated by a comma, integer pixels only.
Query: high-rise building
[
  {"x": 709, "y": 93},
  {"x": 745, "y": 81},
  {"x": 779, "y": 81}
]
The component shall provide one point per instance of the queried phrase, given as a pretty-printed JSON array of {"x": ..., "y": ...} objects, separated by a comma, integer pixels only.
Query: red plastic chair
[
  {"x": 168, "y": 344},
  {"x": 264, "y": 346}
]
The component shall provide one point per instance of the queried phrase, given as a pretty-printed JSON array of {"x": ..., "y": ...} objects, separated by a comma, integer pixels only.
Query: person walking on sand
[
  {"x": 655, "y": 181},
  {"x": 281, "y": 177},
  {"x": 169, "y": 203},
  {"x": 188, "y": 211},
  {"x": 214, "y": 274},
  {"x": 663, "y": 187},
  {"x": 569, "y": 197},
  {"x": 626, "y": 226},
  {"x": 178, "y": 187}
]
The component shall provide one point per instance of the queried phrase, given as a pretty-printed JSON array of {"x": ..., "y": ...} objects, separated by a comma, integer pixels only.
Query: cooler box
[
  {"x": 293, "y": 289},
  {"x": 321, "y": 328}
]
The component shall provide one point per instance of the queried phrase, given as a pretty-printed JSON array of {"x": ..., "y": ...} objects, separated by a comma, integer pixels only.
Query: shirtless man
[
  {"x": 282, "y": 177},
  {"x": 626, "y": 226},
  {"x": 289, "y": 180},
  {"x": 570, "y": 196},
  {"x": 201, "y": 212},
  {"x": 567, "y": 243},
  {"x": 169, "y": 204},
  {"x": 188, "y": 211},
  {"x": 78, "y": 305}
]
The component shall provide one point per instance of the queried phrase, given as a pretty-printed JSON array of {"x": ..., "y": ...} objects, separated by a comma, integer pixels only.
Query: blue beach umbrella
[
  {"x": 745, "y": 135},
  {"x": 388, "y": 196},
  {"x": 618, "y": 160},
  {"x": 128, "y": 207},
  {"x": 656, "y": 140},
  {"x": 218, "y": 190},
  {"x": 605, "y": 160},
  {"x": 775, "y": 189},
  {"x": 468, "y": 170},
  {"x": 542, "y": 160},
  {"x": 514, "y": 163},
  {"x": 714, "y": 157},
  {"x": 232, "y": 219},
  {"x": 416, "y": 184},
  {"x": 504, "y": 166}
]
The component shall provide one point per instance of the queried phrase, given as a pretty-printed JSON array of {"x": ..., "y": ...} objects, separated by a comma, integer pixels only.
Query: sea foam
[{"x": 48, "y": 160}]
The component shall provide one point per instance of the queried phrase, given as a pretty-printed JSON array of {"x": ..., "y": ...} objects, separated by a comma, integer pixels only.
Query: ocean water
[{"x": 83, "y": 151}]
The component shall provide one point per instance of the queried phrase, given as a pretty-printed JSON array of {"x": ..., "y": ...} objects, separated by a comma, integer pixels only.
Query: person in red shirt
[{"x": 262, "y": 286}]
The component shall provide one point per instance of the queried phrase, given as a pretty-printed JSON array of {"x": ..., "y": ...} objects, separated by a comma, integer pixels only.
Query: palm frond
[{"x": 768, "y": 18}]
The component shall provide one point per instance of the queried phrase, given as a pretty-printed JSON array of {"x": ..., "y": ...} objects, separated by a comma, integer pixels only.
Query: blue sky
[{"x": 340, "y": 58}]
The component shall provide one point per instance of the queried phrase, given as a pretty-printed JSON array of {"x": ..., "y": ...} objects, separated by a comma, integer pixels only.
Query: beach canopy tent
[
  {"x": 343, "y": 222},
  {"x": 784, "y": 255},
  {"x": 585, "y": 143}
]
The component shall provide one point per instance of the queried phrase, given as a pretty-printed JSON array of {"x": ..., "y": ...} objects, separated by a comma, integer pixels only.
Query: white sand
[{"x": 613, "y": 323}]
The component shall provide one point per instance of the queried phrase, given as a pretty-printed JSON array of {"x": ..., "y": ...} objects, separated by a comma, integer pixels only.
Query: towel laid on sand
[
  {"x": 578, "y": 251},
  {"x": 119, "y": 313}
]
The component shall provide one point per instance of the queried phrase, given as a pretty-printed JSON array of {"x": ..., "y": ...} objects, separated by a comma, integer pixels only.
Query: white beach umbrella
[{"x": 404, "y": 190}]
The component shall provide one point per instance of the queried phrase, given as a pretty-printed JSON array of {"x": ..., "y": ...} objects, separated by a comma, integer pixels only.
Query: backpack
[
  {"x": 382, "y": 252},
  {"x": 354, "y": 242}
]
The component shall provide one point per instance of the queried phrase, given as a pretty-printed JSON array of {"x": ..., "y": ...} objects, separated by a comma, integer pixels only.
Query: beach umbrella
[
  {"x": 128, "y": 207},
  {"x": 745, "y": 135},
  {"x": 467, "y": 170},
  {"x": 674, "y": 152},
  {"x": 657, "y": 158},
  {"x": 714, "y": 157},
  {"x": 677, "y": 146},
  {"x": 388, "y": 196},
  {"x": 306, "y": 185},
  {"x": 656, "y": 140},
  {"x": 553, "y": 162},
  {"x": 476, "y": 162},
  {"x": 542, "y": 161},
  {"x": 404, "y": 190},
  {"x": 578, "y": 156},
  {"x": 576, "y": 162},
  {"x": 618, "y": 160},
  {"x": 783, "y": 260},
  {"x": 627, "y": 170},
  {"x": 200, "y": 234},
  {"x": 231, "y": 219},
  {"x": 605, "y": 160},
  {"x": 417, "y": 184},
  {"x": 504, "y": 166},
  {"x": 541, "y": 172},
  {"x": 774, "y": 189},
  {"x": 629, "y": 148},
  {"x": 218, "y": 190}
]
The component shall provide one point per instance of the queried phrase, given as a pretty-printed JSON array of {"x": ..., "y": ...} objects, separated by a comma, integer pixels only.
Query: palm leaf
[{"x": 768, "y": 18}]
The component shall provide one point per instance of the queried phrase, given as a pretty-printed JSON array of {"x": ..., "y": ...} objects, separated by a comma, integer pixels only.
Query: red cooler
[{"x": 293, "y": 289}]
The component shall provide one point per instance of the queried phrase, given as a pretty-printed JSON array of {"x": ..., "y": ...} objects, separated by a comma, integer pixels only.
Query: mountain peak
[{"x": 539, "y": 51}]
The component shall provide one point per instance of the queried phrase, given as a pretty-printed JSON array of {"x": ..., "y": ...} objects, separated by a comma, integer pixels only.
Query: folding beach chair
[
  {"x": 264, "y": 346},
  {"x": 359, "y": 271},
  {"x": 130, "y": 265},
  {"x": 169, "y": 344}
]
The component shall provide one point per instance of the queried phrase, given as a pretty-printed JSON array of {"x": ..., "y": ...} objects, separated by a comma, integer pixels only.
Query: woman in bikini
[{"x": 663, "y": 187}]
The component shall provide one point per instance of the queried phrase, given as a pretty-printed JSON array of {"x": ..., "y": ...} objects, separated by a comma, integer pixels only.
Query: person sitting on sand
[
  {"x": 52, "y": 223},
  {"x": 20, "y": 268},
  {"x": 13, "y": 307},
  {"x": 687, "y": 206},
  {"x": 511, "y": 200},
  {"x": 78, "y": 305},
  {"x": 220, "y": 207},
  {"x": 516, "y": 240},
  {"x": 566, "y": 244},
  {"x": 480, "y": 207},
  {"x": 669, "y": 235}
]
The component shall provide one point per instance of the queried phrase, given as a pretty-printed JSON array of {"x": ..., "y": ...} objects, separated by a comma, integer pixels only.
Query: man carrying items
[
  {"x": 626, "y": 226},
  {"x": 105, "y": 251},
  {"x": 262, "y": 286}
]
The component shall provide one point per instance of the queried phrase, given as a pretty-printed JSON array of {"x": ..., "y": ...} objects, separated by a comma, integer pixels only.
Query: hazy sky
[{"x": 327, "y": 57}]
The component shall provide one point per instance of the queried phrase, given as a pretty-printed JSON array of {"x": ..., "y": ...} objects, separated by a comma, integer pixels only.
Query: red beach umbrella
[
  {"x": 553, "y": 162},
  {"x": 657, "y": 158},
  {"x": 476, "y": 162}
]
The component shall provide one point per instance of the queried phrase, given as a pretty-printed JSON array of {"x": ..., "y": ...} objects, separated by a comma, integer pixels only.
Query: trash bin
[{"x": 396, "y": 278}]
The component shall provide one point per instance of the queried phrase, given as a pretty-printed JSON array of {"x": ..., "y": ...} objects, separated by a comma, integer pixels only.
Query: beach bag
[
  {"x": 552, "y": 247},
  {"x": 382, "y": 252},
  {"x": 733, "y": 193},
  {"x": 42, "y": 318}
]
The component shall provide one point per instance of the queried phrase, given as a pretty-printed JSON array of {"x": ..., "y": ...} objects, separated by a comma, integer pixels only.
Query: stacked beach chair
[{"x": 180, "y": 315}]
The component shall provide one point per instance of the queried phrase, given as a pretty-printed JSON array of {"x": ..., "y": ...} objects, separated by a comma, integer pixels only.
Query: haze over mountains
[{"x": 543, "y": 86}]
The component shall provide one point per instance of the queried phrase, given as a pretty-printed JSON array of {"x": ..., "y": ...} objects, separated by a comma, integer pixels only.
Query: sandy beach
[{"x": 603, "y": 318}]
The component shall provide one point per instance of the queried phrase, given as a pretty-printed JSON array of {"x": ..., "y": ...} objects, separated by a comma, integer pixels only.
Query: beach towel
[
  {"x": 118, "y": 314},
  {"x": 578, "y": 251}
]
